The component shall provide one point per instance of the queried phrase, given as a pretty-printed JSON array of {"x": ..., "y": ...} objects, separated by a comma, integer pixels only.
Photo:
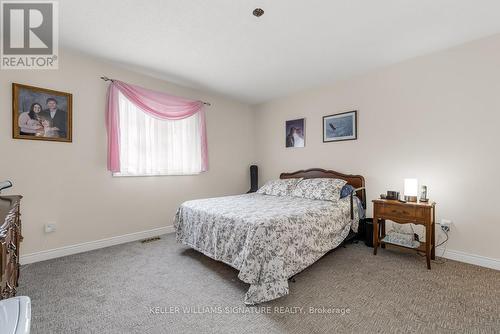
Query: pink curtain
[{"x": 156, "y": 104}]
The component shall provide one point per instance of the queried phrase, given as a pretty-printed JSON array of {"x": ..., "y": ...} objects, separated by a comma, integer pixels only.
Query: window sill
[{"x": 152, "y": 175}]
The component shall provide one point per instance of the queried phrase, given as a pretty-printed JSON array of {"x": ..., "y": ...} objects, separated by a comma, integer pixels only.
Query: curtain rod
[{"x": 105, "y": 78}]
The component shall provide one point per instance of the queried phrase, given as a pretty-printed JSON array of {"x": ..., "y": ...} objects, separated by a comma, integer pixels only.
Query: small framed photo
[
  {"x": 338, "y": 127},
  {"x": 41, "y": 114},
  {"x": 295, "y": 132}
]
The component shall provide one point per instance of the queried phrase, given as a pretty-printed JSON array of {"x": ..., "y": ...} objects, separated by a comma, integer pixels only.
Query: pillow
[
  {"x": 325, "y": 189},
  {"x": 281, "y": 187}
]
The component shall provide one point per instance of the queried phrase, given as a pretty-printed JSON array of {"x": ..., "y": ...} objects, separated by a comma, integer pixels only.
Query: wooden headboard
[{"x": 357, "y": 181}]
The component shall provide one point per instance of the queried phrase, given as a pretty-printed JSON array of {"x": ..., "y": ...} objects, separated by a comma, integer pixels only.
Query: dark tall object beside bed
[{"x": 254, "y": 179}]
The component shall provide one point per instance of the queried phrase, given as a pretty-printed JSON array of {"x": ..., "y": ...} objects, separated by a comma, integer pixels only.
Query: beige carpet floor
[{"x": 149, "y": 288}]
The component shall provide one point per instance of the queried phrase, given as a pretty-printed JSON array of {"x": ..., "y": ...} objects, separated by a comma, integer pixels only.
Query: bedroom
[{"x": 419, "y": 83}]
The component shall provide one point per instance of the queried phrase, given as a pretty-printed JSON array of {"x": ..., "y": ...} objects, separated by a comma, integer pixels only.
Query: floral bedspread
[{"x": 267, "y": 238}]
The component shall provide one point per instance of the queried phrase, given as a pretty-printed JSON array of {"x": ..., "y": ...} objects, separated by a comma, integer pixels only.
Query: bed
[{"x": 269, "y": 239}]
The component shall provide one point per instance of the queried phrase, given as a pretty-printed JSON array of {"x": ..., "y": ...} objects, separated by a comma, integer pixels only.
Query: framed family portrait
[
  {"x": 41, "y": 114},
  {"x": 295, "y": 133},
  {"x": 338, "y": 127}
]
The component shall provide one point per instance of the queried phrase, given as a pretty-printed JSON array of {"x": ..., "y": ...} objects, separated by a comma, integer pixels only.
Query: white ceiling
[{"x": 220, "y": 46}]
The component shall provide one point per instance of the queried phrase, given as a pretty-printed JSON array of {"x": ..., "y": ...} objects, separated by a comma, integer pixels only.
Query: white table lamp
[{"x": 411, "y": 190}]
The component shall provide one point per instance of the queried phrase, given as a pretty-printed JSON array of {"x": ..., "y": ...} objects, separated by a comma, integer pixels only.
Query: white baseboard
[
  {"x": 460, "y": 256},
  {"x": 92, "y": 245}
]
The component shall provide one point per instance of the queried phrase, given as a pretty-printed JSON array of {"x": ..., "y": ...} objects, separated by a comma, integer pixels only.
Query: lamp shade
[{"x": 411, "y": 187}]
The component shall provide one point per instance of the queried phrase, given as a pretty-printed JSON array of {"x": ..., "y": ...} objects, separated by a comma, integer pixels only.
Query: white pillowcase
[
  {"x": 325, "y": 189},
  {"x": 281, "y": 187}
]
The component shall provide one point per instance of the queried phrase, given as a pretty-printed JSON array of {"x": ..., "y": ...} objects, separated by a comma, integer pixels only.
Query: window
[{"x": 150, "y": 146}]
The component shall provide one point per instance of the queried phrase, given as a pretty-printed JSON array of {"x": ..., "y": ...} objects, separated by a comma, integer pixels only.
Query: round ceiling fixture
[{"x": 258, "y": 12}]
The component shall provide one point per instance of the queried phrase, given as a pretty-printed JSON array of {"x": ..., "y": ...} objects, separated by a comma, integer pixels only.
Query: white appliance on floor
[{"x": 15, "y": 315}]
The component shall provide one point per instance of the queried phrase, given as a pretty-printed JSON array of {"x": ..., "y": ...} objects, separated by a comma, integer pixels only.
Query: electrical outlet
[
  {"x": 445, "y": 228},
  {"x": 50, "y": 227},
  {"x": 446, "y": 225}
]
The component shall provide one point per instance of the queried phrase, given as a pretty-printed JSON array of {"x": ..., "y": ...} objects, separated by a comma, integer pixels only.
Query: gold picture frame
[{"x": 41, "y": 114}]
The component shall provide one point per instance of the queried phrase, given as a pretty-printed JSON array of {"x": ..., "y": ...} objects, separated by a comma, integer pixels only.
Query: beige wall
[
  {"x": 436, "y": 118},
  {"x": 68, "y": 183}
]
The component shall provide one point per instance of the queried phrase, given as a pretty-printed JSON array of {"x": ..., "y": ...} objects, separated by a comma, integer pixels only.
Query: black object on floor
[
  {"x": 368, "y": 226},
  {"x": 254, "y": 179},
  {"x": 361, "y": 229}
]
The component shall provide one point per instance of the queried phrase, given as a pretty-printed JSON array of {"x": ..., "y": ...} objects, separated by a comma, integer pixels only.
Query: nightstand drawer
[{"x": 398, "y": 211}]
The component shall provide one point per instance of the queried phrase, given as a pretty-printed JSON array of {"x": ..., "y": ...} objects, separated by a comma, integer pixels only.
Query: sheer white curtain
[{"x": 149, "y": 146}]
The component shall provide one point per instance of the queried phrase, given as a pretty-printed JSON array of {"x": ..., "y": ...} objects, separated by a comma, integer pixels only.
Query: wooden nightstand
[{"x": 405, "y": 213}]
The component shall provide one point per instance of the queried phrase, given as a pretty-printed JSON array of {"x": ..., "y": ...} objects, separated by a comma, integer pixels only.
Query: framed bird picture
[{"x": 339, "y": 127}]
